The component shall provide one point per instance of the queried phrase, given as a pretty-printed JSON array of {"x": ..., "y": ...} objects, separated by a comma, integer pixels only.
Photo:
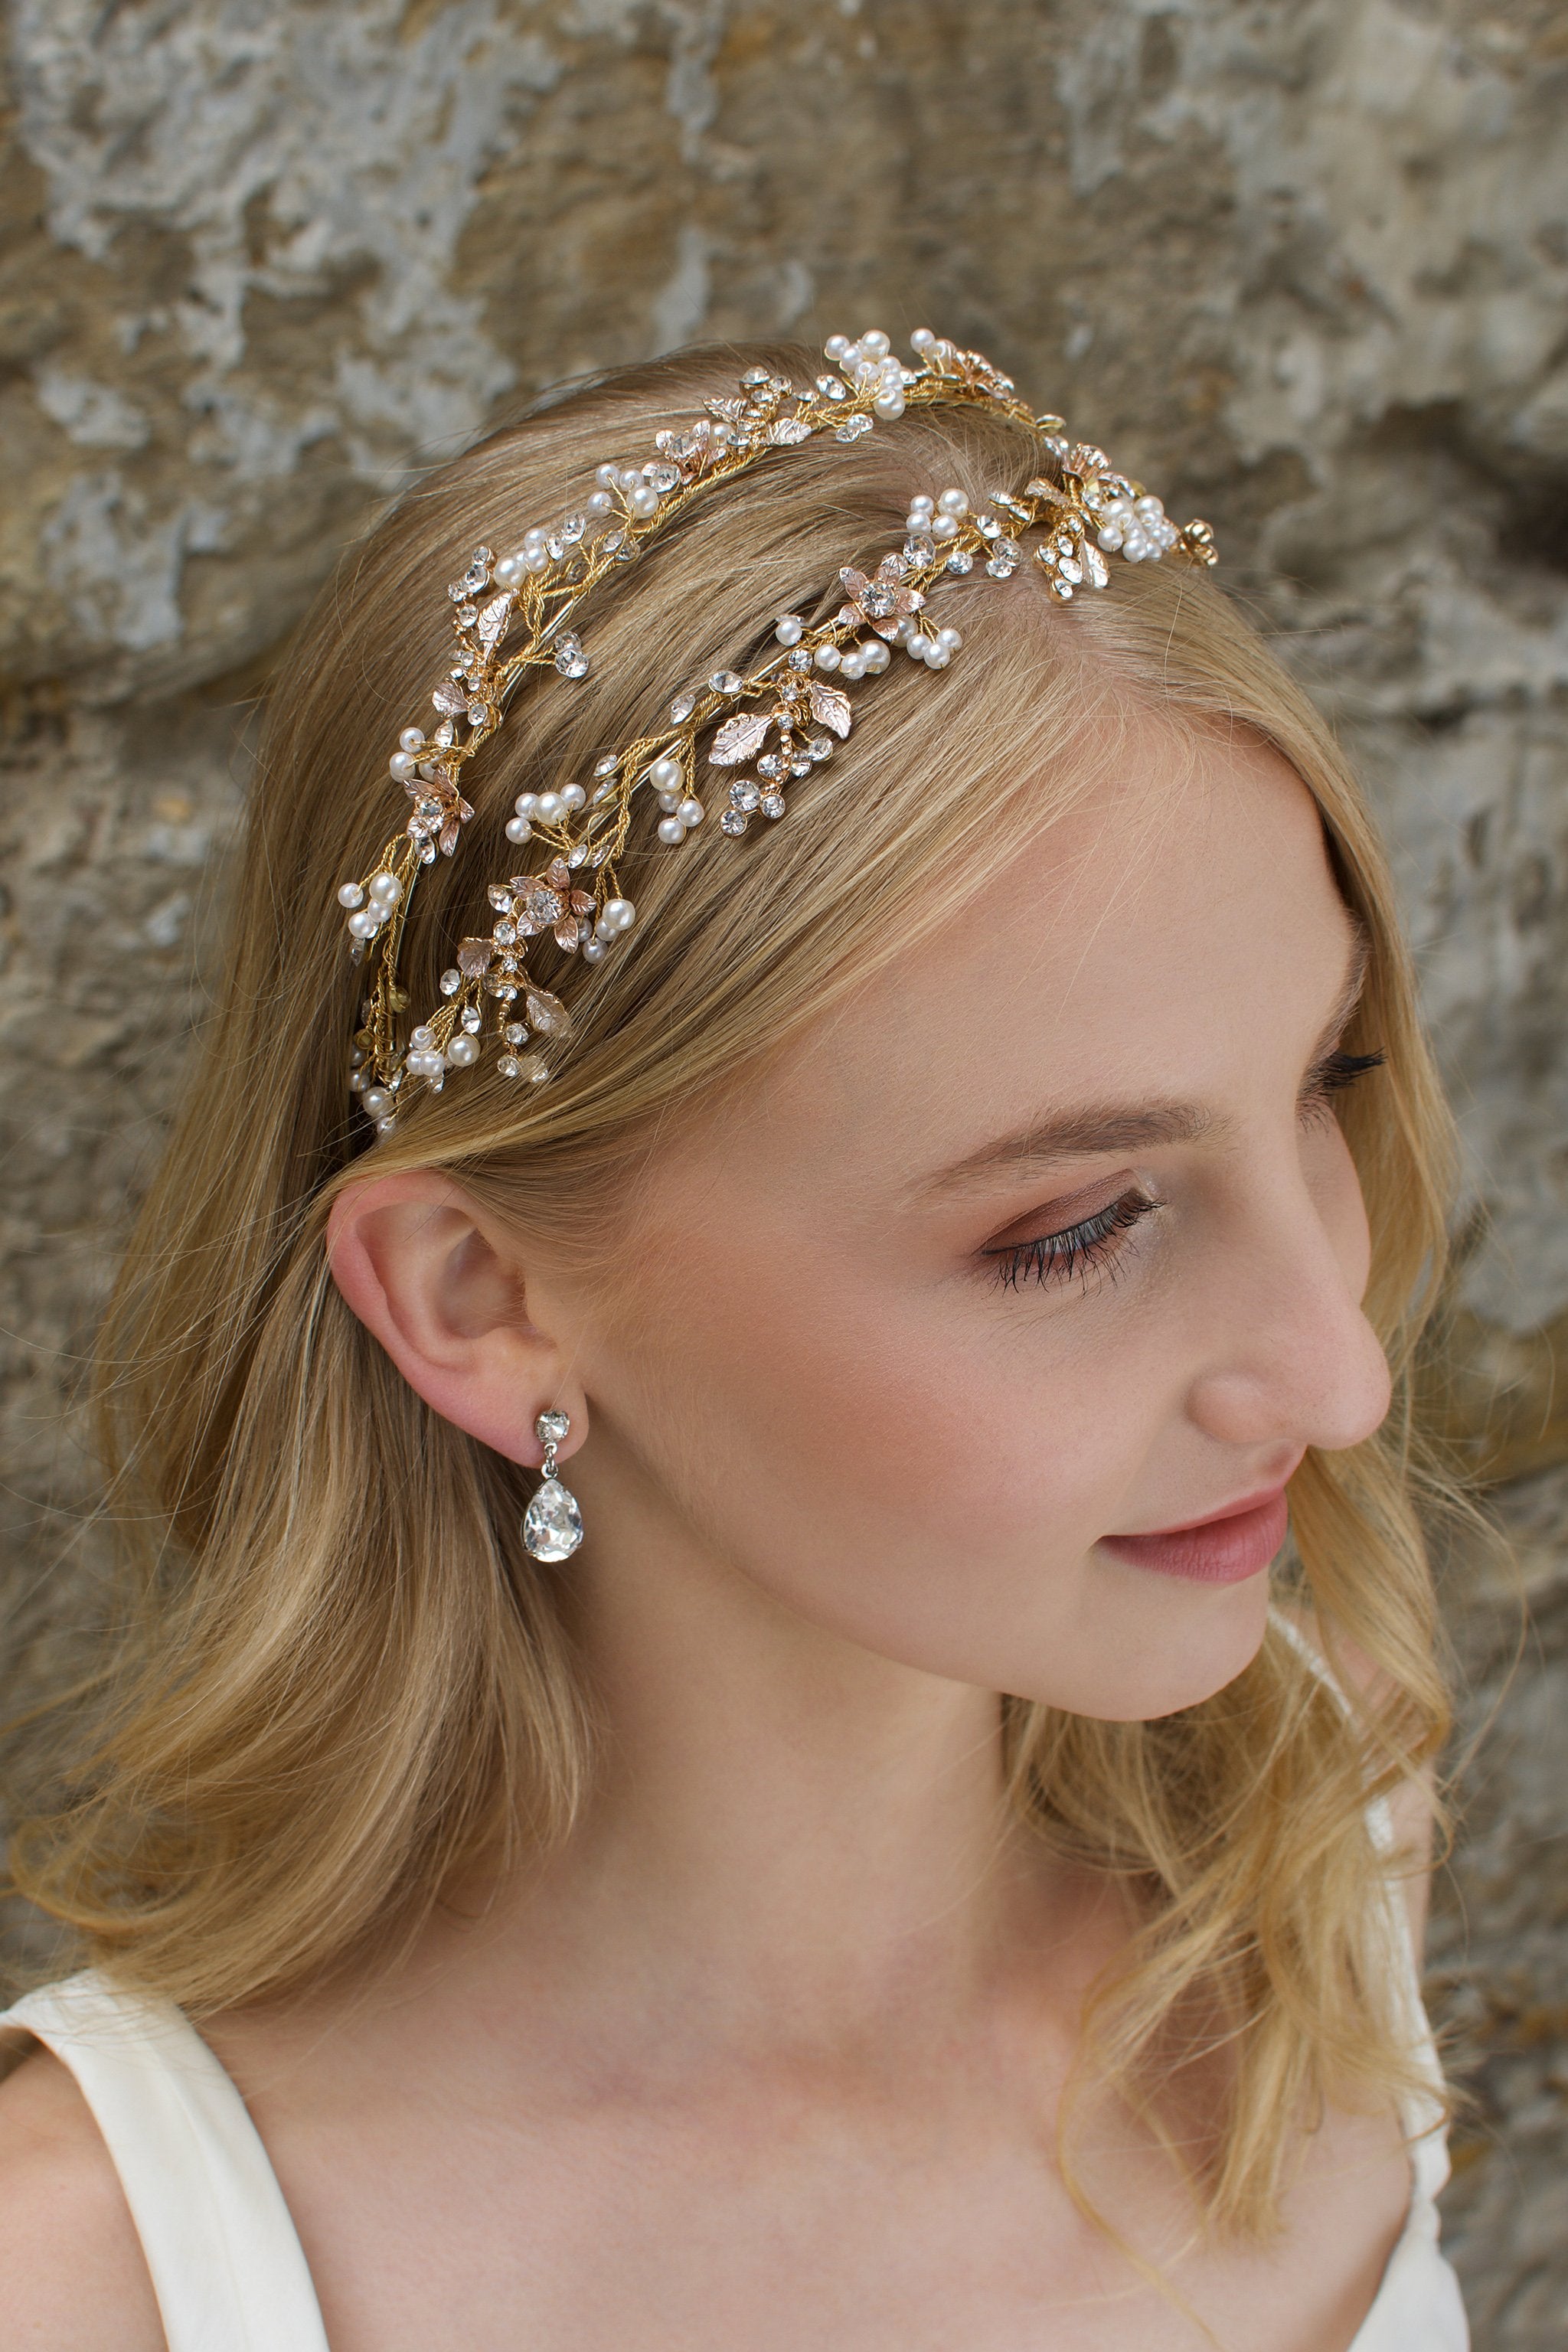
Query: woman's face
[{"x": 1046, "y": 1240}]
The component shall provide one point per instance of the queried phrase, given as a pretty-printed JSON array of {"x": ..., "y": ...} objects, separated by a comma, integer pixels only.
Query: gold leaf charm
[
  {"x": 738, "y": 738},
  {"x": 831, "y": 706}
]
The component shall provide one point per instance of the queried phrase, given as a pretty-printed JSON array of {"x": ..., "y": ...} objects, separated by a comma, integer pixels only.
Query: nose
[{"x": 1288, "y": 1357}]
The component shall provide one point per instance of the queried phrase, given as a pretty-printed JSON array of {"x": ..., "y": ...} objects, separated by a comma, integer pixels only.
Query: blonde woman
[{"x": 866, "y": 1035}]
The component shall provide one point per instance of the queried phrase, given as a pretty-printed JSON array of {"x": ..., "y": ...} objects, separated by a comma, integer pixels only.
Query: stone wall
[{"x": 1301, "y": 263}]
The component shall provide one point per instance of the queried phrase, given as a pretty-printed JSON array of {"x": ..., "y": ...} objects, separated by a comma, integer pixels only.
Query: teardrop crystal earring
[{"x": 552, "y": 1525}]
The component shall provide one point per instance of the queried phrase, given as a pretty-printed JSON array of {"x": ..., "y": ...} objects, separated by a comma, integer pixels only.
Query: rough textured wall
[{"x": 1301, "y": 263}]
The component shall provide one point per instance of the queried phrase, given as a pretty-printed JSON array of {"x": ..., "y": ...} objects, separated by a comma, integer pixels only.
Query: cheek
[{"x": 922, "y": 1468}]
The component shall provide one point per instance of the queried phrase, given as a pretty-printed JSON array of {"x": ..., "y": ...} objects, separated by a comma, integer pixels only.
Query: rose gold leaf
[
  {"x": 831, "y": 706},
  {"x": 738, "y": 738},
  {"x": 491, "y": 627},
  {"x": 787, "y": 431},
  {"x": 547, "y": 1012},
  {"x": 474, "y": 956}
]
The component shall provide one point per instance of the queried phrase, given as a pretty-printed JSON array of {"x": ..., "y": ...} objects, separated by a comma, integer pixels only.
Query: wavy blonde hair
[{"x": 340, "y": 1678}]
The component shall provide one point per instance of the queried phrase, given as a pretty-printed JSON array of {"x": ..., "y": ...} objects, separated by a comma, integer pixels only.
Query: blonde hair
[{"x": 340, "y": 1677}]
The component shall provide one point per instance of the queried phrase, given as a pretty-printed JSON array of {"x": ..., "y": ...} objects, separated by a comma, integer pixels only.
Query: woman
[{"x": 855, "y": 1856}]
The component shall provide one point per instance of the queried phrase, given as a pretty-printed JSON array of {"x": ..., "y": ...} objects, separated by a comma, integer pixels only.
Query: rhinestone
[
  {"x": 732, "y": 822},
  {"x": 852, "y": 428},
  {"x": 831, "y": 388},
  {"x": 820, "y": 746},
  {"x": 770, "y": 764},
  {"x": 988, "y": 527},
  {"x": 880, "y": 601},
  {"x": 919, "y": 548},
  {"x": 500, "y": 896},
  {"x": 451, "y": 981},
  {"x": 514, "y": 1032},
  {"x": 577, "y": 853},
  {"x": 468, "y": 615},
  {"x": 612, "y": 541},
  {"x": 507, "y": 1065},
  {"x": 664, "y": 479},
  {"x": 725, "y": 681},
  {"x": 533, "y": 1066},
  {"x": 681, "y": 708},
  {"x": 478, "y": 713},
  {"x": 745, "y": 795},
  {"x": 552, "y": 1525},
  {"x": 772, "y": 804},
  {"x": 755, "y": 376},
  {"x": 570, "y": 658},
  {"x": 444, "y": 735},
  {"x": 505, "y": 933},
  {"x": 800, "y": 658},
  {"x": 607, "y": 766},
  {"x": 574, "y": 527},
  {"x": 960, "y": 562},
  {"x": 800, "y": 766},
  {"x": 553, "y": 548},
  {"x": 470, "y": 1018}
]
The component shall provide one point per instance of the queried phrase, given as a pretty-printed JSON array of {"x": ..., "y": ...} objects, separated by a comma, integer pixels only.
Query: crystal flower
[
  {"x": 882, "y": 601},
  {"x": 547, "y": 902},
  {"x": 440, "y": 812}
]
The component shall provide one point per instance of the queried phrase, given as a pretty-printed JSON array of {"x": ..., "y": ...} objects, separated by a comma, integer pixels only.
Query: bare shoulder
[{"x": 72, "y": 2278}]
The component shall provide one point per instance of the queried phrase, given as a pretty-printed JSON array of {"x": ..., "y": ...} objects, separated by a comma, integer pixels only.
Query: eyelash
[{"x": 1079, "y": 1250}]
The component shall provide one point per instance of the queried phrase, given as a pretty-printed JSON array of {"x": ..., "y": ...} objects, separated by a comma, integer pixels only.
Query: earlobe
[{"x": 411, "y": 1257}]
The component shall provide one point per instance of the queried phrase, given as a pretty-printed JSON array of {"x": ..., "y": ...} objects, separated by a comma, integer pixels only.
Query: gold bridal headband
[{"x": 773, "y": 725}]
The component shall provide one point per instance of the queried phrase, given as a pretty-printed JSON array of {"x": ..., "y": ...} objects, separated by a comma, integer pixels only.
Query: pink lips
[{"x": 1222, "y": 1550}]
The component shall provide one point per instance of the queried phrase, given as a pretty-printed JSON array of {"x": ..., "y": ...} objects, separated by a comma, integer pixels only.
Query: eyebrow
[{"x": 1097, "y": 1129}]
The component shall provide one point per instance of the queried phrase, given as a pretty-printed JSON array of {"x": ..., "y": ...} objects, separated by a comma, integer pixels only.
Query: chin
[{"x": 1179, "y": 1646}]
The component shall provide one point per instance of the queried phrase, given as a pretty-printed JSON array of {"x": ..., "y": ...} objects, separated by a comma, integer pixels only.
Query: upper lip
[{"x": 1253, "y": 1501}]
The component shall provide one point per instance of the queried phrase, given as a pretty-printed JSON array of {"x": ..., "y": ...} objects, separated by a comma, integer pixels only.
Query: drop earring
[{"x": 552, "y": 1525}]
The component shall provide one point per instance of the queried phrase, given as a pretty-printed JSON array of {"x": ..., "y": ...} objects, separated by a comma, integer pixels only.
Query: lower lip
[{"x": 1219, "y": 1551}]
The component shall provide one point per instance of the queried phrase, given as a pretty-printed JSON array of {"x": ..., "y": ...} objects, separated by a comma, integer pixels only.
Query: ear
[{"x": 434, "y": 1278}]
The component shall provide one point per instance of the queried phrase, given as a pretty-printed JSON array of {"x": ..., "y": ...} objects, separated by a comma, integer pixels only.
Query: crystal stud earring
[{"x": 552, "y": 1525}]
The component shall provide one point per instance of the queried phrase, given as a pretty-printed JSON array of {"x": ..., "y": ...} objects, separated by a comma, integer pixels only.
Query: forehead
[{"x": 1176, "y": 927}]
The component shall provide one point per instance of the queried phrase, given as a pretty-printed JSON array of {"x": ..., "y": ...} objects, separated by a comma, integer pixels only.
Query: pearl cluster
[
  {"x": 872, "y": 365},
  {"x": 1139, "y": 526}
]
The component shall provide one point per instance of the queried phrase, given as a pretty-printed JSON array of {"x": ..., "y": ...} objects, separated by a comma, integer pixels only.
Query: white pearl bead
[
  {"x": 572, "y": 796},
  {"x": 600, "y": 502},
  {"x": 923, "y": 340},
  {"x": 413, "y": 739},
  {"x": 938, "y": 657},
  {"x": 621, "y": 913},
  {"x": 944, "y": 526},
  {"x": 509, "y": 571},
  {"x": 376, "y": 1101},
  {"x": 671, "y": 830},
  {"x": 536, "y": 559},
  {"x": 351, "y": 894},
  {"x": 628, "y": 478},
  {"x": 386, "y": 889},
  {"x": 853, "y": 666},
  {"x": 922, "y": 503},
  {"x": 643, "y": 501},
  {"x": 919, "y": 646},
  {"x": 827, "y": 657},
  {"x": 668, "y": 802},
  {"x": 874, "y": 343},
  {"x": 518, "y": 828},
  {"x": 666, "y": 775},
  {"x": 836, "y": 346},
  {"x": 877, "y": 657},
  {"x": 526, "y": 803},
  {"x": 889, "y": 407},
  {"x": 532, "y": 538},
  {"x": 462, "y": 1050},
  {"x": 690, "y": 812},
  {"x": 949, "y": 639},
  {"x": 606, "y": 475},
  {"x": 401, "y": 766},
  {"x": 593, "y": 951},
  {"x": 789, "y": 629},
  {"x": 953, "y": 502},
  {"x": 550, "y": 808},
  {"x": 366, "y": 923}
]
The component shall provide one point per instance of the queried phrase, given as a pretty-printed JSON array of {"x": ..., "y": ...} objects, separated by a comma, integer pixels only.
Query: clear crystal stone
[
  {"x": 577, "y": 853},
  {"x": 468, "y": 615},
  {"x": 514, "y": 1032},
  {"x": 988, "y": 527},
  {"x": 852, "y": 428},
  {"x": 755, "y": 376},
  {"x": 505, "y": 933},
  {"x": 681, "y": 708},
  {"x": 732, "y": 822},
  {"x": 960, "y": 562},
  {"x": 574, "y": 527},
  {"x": 507, "y": 1065},
  {"x": 919, "y": 548},
  {"x": 820, "y": 746},
  {"x": 745, "y": 795},
  {"x": 552, "y": 1525},
  {"x": 800, "y": 658},
  {"x": 664, "y": 479},
  {"x": 832, "y": 387},
  {"x": 549, "y": 1426},
  {"x": 725, "y": 681},
  {"x": 477, "y": 714},
  {"x": 772, "y": 804},
  {"x": 534, "y": 1067},
  {"x": 800, "y": 767},
  {"x": 607, "y": 765},
  {"x": 470, "y": 1018},
  {"x": 570, "y": 658}
]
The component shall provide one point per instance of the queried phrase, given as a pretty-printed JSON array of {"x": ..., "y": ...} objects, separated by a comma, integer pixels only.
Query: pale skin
[{"x": 768, "y": 2056}]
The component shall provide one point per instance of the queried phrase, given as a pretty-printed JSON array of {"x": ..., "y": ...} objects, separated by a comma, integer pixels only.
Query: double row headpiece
[{"x": 768, "y": 728}]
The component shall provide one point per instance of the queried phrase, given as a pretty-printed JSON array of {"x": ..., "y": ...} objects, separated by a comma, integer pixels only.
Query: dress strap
[{"x": 225, "y": 2258}]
